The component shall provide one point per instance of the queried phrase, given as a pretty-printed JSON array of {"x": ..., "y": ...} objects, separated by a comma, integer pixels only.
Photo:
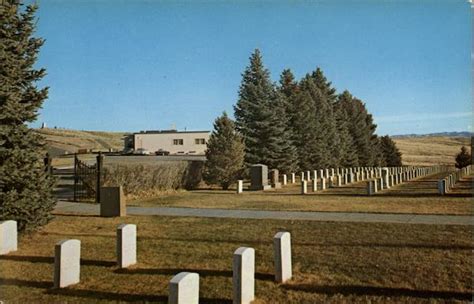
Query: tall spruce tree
[
  {"x": 362, "y": 130},
  {"x": 287, "y": 90},
  {"x": 312, "y": 143},
  {"x": 346, "y": 152},
  {"x": 391, "y": 155},
  {"x": 26, "y": 189},
  {"x": 325, "y": 112},
  {"x": 225, "y": 154},
  {"x": 260, "y": 117}
]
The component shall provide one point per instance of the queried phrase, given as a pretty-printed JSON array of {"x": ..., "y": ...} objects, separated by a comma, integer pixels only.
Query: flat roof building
[{"x": 169, "y": 141}]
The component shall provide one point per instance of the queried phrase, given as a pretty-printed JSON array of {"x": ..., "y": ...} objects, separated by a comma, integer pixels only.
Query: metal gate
[{"x": 87, "y": 179}]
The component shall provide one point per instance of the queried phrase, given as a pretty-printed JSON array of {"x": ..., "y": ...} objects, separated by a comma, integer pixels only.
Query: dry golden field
[
  {"x": 421, "y": 150},
  {"x": 72, "y": 140},
  {"x": 430, "y": 150}
]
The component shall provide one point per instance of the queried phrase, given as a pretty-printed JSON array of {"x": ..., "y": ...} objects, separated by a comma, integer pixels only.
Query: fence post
[
  {"x": 100, "y": 160},
  {"x": 75, "y": 177}
]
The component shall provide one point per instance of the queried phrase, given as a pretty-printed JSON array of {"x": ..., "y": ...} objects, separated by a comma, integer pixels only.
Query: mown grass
[
  {"x": 418, "y": 197},
  {"x": 333, "y": 262}
]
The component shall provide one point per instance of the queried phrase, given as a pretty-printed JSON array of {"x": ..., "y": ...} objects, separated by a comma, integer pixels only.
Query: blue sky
[{"x": 137, "y": 65}]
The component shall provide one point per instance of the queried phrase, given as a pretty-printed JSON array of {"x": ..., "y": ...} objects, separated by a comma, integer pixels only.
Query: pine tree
[
  {"x": 463, "y": 158},
  {"x": 26, "y": 189},
  {"x": 313, "y": 151},
  {"x": 258, "y": 114},
  {"x": 391, "y": 155},
  {"x": 346, "y": 153},
  {"x": 288, "y": 90},
  {"x": 324, "y": 104},
  {"x": 362, "y": 130},
  {"x": 225, "y": 154}
]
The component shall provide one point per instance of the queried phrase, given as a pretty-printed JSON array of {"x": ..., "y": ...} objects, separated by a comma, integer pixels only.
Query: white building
[{"x": 169, "y": 141}]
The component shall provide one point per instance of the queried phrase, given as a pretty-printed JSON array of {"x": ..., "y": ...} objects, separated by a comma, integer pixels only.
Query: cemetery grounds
[{"x": 338, "y": 262}]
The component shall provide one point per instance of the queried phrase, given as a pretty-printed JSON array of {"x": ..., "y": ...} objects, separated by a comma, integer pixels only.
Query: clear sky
[{"x": 138, "y": 65}]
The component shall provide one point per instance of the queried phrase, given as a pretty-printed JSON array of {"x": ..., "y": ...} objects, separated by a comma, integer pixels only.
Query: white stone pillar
[
  {"x": 282, "y": 252},
  {"x": 126, "y": 245},
  {"x": 323, "y": 183},
  {"x": 67, "y": 267},
  {"x": 315, "y": 185},
  {"x": 293, "y": 178},
  {"x": 8, "y": 237},
  {"x": 304, "y": 187},
  {"x": 184, "y": 288},
  {"x": 243, "y": 279},
  {"x": 285, "y": 181},
  {"x": 240, "y": 186}
]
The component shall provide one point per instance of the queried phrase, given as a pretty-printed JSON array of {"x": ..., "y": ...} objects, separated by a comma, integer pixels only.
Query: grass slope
[
  {"x": 429, "y": 150},
  {"x": 60, "y": 140},
  {"x": 416, "y": 150}
]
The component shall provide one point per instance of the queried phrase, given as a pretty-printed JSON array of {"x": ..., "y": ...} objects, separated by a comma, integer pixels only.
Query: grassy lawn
[
  {"x": 419, "y": 196},
  {"x": 332, "y": 262}
]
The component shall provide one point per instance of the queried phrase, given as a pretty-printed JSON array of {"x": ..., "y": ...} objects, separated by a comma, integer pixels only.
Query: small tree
[
  {"x": 225, "y": 154},
  {"x": 463, "y": 158},
  {"x": 391, "y": 156}
]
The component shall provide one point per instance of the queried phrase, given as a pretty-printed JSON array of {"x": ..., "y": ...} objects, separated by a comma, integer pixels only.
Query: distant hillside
[
  {"x": 441, "y": 134},
  {"x": 430, "y": 150},
  {"x": 416, "y": 149},
  {"x": 60, "y": 141}
]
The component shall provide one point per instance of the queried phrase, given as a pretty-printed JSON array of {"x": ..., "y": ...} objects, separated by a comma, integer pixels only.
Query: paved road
[{"x": 69, "y": 207}]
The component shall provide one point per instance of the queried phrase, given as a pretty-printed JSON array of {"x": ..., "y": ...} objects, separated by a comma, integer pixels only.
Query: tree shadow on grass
[
  {"x": 127, "y": 297},
  {"x": 50, "y": 260},
  {"x": 358, "y": 290},
  {"x": 201, "y": 272},
  {"x": 25, "y": 283}
]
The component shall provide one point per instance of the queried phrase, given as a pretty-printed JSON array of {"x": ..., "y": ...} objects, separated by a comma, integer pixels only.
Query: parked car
[
  {"x": 141, "y": 151},
  {"x": 162, "y": 152},
  {"x": 127, "y": 151}
]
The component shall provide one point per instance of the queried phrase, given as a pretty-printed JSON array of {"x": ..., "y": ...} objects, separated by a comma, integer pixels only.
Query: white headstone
[
  {"x": 240, "y": 186},
  {"x": 315, "y": 185},
  {"x": 184, "y": 288},
  {"x": 8, "y": 236},
  {"x": 243, "y": 280},
  {"x": 293, "y": 178},
  {"x": 67, "y": 266},
  {"x": 304, "y": 187},
  {"x": 282, "y": 250},
  {"x": 126, "y": 245},
  {"x": 323, "y": 183},
  {"x": 285, "y": 179}
]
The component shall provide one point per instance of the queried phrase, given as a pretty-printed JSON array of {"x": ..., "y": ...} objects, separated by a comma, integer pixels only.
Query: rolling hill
[{"x": 424, "y": 150}]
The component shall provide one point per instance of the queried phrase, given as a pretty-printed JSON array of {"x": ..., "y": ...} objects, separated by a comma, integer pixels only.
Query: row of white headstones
[
  {"x": 377, "y": 178},
  {"x": 183, "y": 287},
  {"x": 445, "y": 184}
]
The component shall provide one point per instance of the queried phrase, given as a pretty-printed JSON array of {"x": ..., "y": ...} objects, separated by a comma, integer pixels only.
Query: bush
[{"x": 145, "y": 180}]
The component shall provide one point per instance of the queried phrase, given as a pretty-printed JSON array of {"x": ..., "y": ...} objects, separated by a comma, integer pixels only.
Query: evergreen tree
[
  {"x": 362, "y": 130},
  {"x": 26, "y": 189},
  {"x": 391, "y": 155},
  {"x": 312, "y": 143},
  {"x": 324, "y": 104},
  {"x": 260, "y": 118},
  {"x": 463, "y": 158},
  {"x": 346, "y": 153},
  {"x": 225, "y": 154},
  {"x": 288, "y": 90}
]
